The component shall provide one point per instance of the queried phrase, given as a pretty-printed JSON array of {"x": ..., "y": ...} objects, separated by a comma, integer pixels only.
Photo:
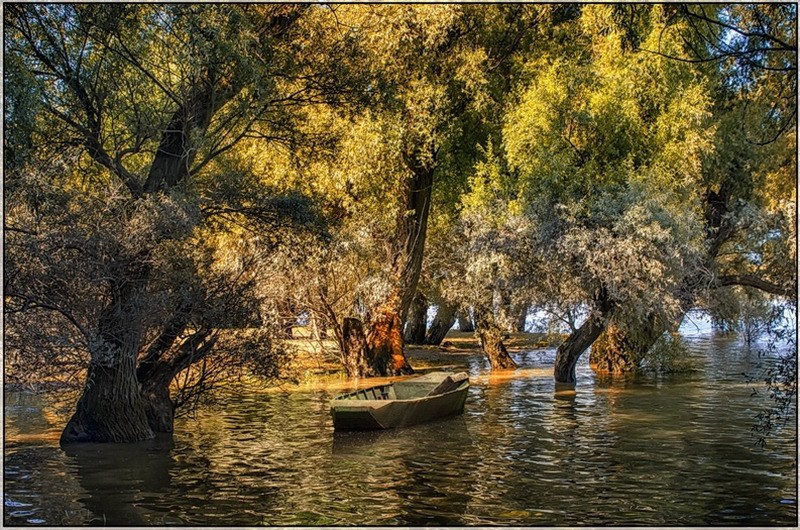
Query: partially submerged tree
[
  {"x": 747, "y": 189},
  {"x": 608, "y": 146},
  {"x": 143, "y": 102},
  {"x": 431, "y": 87}
]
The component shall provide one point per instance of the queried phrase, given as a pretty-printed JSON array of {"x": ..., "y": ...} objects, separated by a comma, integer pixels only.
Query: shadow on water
[
  {"x": 115, "y": 475},
  {"x": 355, "y": 442}
]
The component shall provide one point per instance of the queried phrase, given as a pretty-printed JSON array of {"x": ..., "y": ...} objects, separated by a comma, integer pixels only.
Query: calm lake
[{"x": 675, "y": 450}]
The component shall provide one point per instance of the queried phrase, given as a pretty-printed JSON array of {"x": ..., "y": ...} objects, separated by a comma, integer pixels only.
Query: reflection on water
[{"x": 657, "y": 451}]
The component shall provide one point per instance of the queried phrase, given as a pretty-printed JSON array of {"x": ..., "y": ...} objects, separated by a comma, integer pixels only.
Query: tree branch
[{"x": 749, "y": 280}]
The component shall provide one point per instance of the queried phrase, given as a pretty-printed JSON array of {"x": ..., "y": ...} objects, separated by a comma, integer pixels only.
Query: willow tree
[
  {"x": 455, "y": 69},
  {"x": 428, "y": 66},
  {"x": 747, "y": 192},
  {"x": 608, "y": 145},
  {"x": 128, "y": 184}
]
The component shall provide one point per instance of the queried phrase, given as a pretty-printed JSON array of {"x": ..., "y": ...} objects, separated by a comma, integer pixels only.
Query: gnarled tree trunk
[
  {"x": 385, "y": 335},
  {"x": 385, "y": 342},
  {"x": 111, "y": 408},
  {"x": 492, "y": 341},
  {"x": 379, "y": 353},
  {"x": 570, "y": 351},
  {"x": 417, "y": 320},
  {"x": 442, "y": 322},
  {"x": 354, "y": 355},
  {"x": 495, "y": 350}
]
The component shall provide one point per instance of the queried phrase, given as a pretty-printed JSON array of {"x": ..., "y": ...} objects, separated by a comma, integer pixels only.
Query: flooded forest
[{"x": 556, "y": 242}]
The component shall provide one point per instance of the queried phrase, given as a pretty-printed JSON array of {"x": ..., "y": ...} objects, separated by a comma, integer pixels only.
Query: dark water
[{"x": 669, "y": 451}]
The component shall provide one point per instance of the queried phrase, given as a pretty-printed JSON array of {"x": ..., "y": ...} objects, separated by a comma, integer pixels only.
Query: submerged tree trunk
[
  {"x": 442, "y": 322},
  {"x": 492, "y": 341},
  {"x": 111, "y": 408},
  {"x": 614, "y": 353},
  {"x": 155, "y": 378},
  {"x": 417, "y": 320},
  {"x": 495, "y": 350},
  {"x": 570, "y": 351},
  {"x": 465, "y": 322}
]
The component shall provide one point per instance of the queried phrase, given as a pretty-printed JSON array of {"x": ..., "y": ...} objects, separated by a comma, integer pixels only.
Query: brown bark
[
  {"x": 385, "y": 343},
  {"x": 442, "y": 322},
  {"x": 385, "y": 336},
  {"x": 417, "y": 321},
  {"x": 354, "y": 351},
  {"x": 410, "y": 233},
  {"x": 495, "y": 350},
  {"x": 111, "y": 408},
  {"x": 570, "y": 351},
  {"x": 492, "y": 341}
]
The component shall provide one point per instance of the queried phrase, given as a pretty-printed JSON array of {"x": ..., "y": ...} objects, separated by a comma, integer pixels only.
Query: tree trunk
[
  {"x": 613, "y": 353},
  {"x": 111, "y": 408},
  {"x": 417, "y": 320},
  {"x": 155, "y": 379},
  {"x": 407, "y": 245},
  {"x": 465, "y": 322},
  {"x": 355, "y": 356},
  {"x": 570, "y": 351},
  {"x": 495, "y": 350},
  {"x": 159, "y": 408},
  {"x": 492, "y": 341},
  {"x": 442, "y": 322},
  {"x": 521, "y": 319},
  {"x": 385, "y": 344}
]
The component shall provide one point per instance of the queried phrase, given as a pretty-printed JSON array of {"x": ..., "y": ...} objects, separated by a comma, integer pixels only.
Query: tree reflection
[{"x": 116, "y": 477}]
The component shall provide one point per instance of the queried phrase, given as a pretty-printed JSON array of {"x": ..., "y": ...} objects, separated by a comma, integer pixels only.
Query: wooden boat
[{"x": 402, "y": 403}]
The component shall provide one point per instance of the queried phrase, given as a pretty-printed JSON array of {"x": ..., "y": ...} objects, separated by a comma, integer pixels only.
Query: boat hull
[{"x": 369, "y": 414}]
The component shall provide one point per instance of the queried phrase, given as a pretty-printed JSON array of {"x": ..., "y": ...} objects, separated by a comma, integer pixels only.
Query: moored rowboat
[{"x": 416, "y": 400}]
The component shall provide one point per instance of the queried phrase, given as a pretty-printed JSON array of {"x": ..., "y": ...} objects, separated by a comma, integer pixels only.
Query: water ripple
[{"x": 674, "y": 451}]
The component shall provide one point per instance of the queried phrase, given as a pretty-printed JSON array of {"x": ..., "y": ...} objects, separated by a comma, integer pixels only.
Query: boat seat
[{"x": 448, "y": 384}]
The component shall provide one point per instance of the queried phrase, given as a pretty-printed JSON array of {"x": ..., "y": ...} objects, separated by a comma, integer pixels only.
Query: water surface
[{"x": 652, "y": 451}]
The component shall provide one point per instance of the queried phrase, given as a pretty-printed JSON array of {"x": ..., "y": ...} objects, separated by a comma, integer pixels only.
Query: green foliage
[
  {"x": 574, "y": 149},
  {"x": 668, "y": 355}
]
